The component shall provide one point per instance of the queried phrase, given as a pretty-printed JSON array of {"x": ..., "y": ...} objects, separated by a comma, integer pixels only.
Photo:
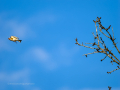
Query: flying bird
[{"x": 14, "y": 39}]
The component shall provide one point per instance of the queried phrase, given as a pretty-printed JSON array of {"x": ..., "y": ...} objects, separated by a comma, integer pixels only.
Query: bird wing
[{"x": 14, "y": 37}]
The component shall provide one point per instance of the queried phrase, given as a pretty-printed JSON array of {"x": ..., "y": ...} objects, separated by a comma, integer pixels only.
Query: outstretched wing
[{"x": 14, "y": 37}]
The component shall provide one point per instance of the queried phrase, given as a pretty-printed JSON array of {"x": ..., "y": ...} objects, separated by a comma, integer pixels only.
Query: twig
[
  {"x": 109, "y": 88},
  {"x": 90, "y": 53},
  {"x": 113, "y": 70}
]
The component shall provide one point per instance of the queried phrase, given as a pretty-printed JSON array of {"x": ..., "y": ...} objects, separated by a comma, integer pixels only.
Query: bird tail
[{"x": 19, "y": 41}]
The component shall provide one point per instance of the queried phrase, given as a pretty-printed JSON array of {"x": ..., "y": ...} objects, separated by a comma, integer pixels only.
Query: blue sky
[{"x": 48, "y": 57}]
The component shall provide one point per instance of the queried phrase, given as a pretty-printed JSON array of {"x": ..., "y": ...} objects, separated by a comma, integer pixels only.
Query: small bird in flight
[{"x": 14, "y": 39}]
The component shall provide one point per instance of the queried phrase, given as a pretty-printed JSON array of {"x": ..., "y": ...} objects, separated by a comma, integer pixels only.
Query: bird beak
[{"x": 9, "y": 38}]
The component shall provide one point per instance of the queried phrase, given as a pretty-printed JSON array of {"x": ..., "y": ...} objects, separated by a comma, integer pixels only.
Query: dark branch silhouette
[{"x": 100, "y": 41}]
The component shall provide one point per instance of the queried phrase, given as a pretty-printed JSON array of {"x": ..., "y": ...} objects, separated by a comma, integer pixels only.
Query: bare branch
[
  {"x": 83, "y": 45},
  {"x": 109, "y": 88},
  {"x": 97, "y": 33},
  {"x": 105, "y": 49},
  {"x": 90, "y": 53},
  {"x": 103, "y": 33},
  {"x": 113, "y": 32},
  {"x": 103, "y": 58},
  {"x": 113, "y": 70}
]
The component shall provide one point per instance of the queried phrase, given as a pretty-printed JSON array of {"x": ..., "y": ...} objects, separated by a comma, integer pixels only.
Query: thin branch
[
  {"x": 103, "y": 58},
  {"x": 103, "y": 33},
  {"x": 83, "y": 45},
  {"x": 109, "y": 88},
  {"x": 97, "y": 33},
  {"x": 113, "y": 70},
  {"x": 113, "y": 32},
  {"x": 90, "y": 53}
]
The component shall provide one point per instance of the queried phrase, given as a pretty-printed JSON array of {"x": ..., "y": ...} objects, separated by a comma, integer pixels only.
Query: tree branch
[{"x": 105, "y": 49}]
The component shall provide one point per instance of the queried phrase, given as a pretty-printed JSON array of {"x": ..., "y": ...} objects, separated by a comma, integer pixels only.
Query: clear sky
[{"x": 48, "y": 58}]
